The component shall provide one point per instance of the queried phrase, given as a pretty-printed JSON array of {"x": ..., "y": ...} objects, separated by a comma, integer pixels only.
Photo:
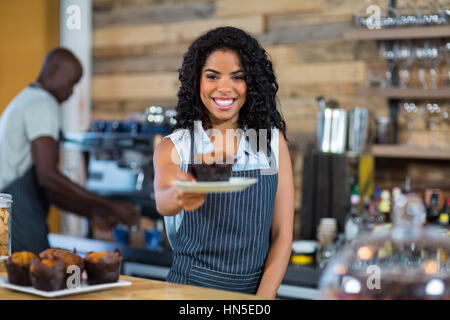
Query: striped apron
[
  {"x": 224, "y": 243},
  {"x": 30, "y": 207}
]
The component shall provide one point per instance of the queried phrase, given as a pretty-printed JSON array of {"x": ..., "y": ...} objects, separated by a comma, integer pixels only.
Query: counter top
[
  {"x": 305, "y": 276},
  {"x": 141, "y": 289}
]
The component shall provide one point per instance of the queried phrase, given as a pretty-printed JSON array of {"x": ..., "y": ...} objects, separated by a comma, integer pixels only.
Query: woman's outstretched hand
[{"x": 187, "y": 200}]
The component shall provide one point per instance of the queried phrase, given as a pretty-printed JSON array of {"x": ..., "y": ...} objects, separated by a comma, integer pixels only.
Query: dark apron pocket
[{"x": 199, "y": 276}]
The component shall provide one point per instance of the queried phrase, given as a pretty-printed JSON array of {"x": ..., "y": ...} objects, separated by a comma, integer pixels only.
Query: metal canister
[
  {"x": 358, "y": 129},
  {"x": 338, "y": 142},
  {"x": 332, "y": 130},
  {"x": 324, "y": 123}
]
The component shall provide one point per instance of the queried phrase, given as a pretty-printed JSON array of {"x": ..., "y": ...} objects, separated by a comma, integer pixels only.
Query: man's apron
[{"x": 30, "y": 207}]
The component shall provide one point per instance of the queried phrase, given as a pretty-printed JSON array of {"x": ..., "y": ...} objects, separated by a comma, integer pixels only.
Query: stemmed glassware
[
  {"x": 387, "y": 52},
  {"x": 434, "y": 58},
  {"x": 433, "y": 118},
  {"x": 420, "y": 51},
  {"x": 409, "y": 110},
  {"x": 445, "y": 49},
  {"x": 446, "y": 113},
  {"x": 422, "y": 57},
  {"x": 405, "y": 58}
]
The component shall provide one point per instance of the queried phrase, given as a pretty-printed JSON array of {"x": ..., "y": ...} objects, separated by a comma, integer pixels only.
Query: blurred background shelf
[
  {"x": 407, "y": 152},
  {"x": 406, "y": 93},
  {"x": 397, "y": 33}
]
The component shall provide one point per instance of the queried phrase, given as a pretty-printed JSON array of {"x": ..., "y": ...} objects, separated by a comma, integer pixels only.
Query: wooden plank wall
[{"x": 138, "y": 46}]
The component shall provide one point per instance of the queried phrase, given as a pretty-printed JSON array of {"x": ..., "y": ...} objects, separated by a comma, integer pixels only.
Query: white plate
[
  {"x": 234, "y": 184},
  {"x": 83, "y": 288}
]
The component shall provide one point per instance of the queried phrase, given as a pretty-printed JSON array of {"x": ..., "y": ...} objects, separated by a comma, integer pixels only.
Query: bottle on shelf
[
  {"x": 396, "y": 192},
  {"x": 433, "y": 209},
  {"x": 368, "y": 219},
  {"x": 407, "y": 186},
  {"x": 377, "y": 216},
  {"x": 444, "y": 214},
  {"x": 384, "y": 206},
  {"x": 326, "y": 236},
  {"x": 353, "y": 224}
]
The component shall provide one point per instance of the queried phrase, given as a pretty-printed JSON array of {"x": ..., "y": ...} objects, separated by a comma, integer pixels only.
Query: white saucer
[
  {"x": 232, "y": 185},
  {"x": 84, "y": 288}
]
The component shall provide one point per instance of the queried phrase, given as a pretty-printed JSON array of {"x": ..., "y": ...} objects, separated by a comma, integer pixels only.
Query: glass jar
[
  {"x": 409, "y": 261},
  {"x": 5, "y": 225},
  {"x": 384, "y": 131}
]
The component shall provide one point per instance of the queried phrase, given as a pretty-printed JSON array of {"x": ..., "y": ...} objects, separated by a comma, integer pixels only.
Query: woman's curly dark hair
[{"x": 260, "y": 108}]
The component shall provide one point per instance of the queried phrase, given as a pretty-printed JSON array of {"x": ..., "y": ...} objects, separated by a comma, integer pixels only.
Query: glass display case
[{"x": 407, "y": 261}]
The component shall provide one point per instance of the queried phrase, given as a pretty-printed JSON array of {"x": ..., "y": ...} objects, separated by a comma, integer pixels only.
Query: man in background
[{"x": 29, "y": 132}]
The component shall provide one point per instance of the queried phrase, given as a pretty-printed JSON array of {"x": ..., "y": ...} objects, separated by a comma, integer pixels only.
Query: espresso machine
[{"x": 119, "y": 157}]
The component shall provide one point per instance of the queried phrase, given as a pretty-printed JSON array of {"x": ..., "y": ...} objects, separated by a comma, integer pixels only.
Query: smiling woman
[{"x": 239, "y": 241}]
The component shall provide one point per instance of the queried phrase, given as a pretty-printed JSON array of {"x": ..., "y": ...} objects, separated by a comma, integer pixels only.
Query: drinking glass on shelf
[
  {"x": 375, "y": 75},
  {"x": 420, "y": 55},
  {"x": 446, "y": 113},
  {"x": 405, "y": 59},
  {"x": 409, "y": 13},
  {"x": 410, "y": 108},
  {"x": 387, "y": 52},
  {"x": 445, "y": 51},
  {"x": 361, "y": 17},
  {"x": 389, "y": 17},
  {"x": 433, "y": 115},
  {"x": 441, "y": 13},
  {"x": 434, "y": 60},
  {"x": 409, "y": 111},
  {"x": 433, "y": 119}
]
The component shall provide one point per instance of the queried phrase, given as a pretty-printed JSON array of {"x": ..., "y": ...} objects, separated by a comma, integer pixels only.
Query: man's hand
[
  {"x": 45, "y": 155},
  {"x": 104, "y": 222},
  {"x": 126, "y": 212}
]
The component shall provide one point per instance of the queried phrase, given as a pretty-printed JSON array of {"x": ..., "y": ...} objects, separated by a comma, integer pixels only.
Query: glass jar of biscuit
[{"x": 5, "y": 225}]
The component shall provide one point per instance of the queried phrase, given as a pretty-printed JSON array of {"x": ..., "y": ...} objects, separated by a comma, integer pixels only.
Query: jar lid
[
  {"x": 5, "y": 199},
  {"x": 304, "y": 246},
  {"x": 383, "y": 120}
]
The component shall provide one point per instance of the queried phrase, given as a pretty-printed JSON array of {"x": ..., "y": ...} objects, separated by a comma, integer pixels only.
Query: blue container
[
  {"x": 152, "y": 238},
  {"x": 121, "y": 234}
]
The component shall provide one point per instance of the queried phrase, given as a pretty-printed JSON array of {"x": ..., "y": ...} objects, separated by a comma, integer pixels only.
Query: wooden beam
[
  {"x": 156, "y": 14},
  {"x": 407, "y": 152},
  {"x": 160, "y": 86},
  {"x": 176, "y": 48},
  {"x": 282, "y": 54},
  {"x": 137, "y": 64},
  {"x": 173, "y": 32},
  {"x": 316, "y": 73},
  {"x": 305, "y": 33},
  {"x": 239, "y": 7}
]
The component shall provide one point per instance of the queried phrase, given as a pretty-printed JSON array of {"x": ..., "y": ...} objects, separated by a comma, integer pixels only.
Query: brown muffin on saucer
[
  {"x": 210, "y": 169},
  {"x": 18, "y": 267},
  {"x": 48, "y": 274},
  {"x": 70, "y": 258},
  {"x": 103, "y": 267},
  {"x": 211, "y": 172}
]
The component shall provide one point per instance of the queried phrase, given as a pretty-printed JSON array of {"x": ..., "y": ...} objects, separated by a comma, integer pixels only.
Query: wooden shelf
[
  {"x": 407, "y": 152},
  {"x": 407, "y": 93},
  {"x": 397, "y": 33}
]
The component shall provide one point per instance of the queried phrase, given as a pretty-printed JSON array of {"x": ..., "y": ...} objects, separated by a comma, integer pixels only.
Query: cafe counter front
[{"x": 140, "y": 289}]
